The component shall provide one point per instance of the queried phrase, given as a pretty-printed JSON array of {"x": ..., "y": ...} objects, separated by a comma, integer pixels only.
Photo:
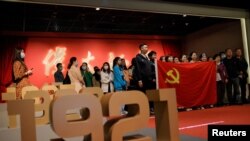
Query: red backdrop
[
  {"x": 44, "y": 50},
  {"x": 42, "y": 54}
]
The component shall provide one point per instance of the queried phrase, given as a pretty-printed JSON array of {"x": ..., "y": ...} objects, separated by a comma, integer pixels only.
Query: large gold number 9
[{"x": 90, "y": 125}]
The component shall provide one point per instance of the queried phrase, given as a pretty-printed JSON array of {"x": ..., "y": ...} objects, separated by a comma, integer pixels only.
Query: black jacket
[
  {"x": 143, "y": 69},
  {"x": 243, "y": 66},
  {"x": 58, "y": 75},
  {"x": 233, "y": 67}
]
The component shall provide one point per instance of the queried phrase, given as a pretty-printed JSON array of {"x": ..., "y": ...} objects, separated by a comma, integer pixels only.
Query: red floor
[{"x": 194, "y": 123}]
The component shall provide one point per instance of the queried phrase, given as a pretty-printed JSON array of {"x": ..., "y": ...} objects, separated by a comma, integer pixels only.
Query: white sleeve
[
  {"x": 111, "y": 76},
  {"x": 104, "y": 78}
]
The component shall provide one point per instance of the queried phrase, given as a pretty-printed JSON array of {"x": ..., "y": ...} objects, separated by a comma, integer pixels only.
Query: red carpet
[{"x": 194, "y": 123}]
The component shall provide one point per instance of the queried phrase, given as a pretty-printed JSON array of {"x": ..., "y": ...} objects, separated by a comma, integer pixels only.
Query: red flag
[{"x": 195, "y": 83}]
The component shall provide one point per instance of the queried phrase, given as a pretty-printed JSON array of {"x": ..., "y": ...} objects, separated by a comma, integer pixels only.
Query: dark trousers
[
  {"x": 152, "y": 87},
  {"x": 243, "y": 84},
  {"x": 220, "y": 93},
  {"x": 148, "y": 85},
  {"x": 233, "y": 84}
]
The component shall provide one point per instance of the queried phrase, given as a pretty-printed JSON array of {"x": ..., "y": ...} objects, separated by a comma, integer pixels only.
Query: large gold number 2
[{"x": 137, "y": 117}]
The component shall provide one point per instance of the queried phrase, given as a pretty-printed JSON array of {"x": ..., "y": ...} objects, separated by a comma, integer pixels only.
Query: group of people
[
  {"x": 231, "y": 73},
  {"x": 118, "y": 78}
]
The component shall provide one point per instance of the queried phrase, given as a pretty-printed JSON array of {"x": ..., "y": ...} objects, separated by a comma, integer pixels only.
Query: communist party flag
[{"x": 195, "y": 83}]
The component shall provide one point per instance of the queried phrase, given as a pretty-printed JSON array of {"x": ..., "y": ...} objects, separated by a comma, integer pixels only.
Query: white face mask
[
  {"x": 106, "y": 67},
  {"x": 84, "y": 67},
  {"x": 22, "y": 55},
  {"x": 223, "y": 56}
]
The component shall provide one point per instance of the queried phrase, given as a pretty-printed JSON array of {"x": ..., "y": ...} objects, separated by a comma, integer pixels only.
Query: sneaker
[
  {"x": 124, "y": 112},
  {"x": 189, "y": 109},
  {"x": 152, "y": 112}
]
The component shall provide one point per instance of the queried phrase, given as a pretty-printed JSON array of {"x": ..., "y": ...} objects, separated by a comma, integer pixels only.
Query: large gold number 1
[
  {"x": 165, "y": 113},
  {"x": 137, "y": 118},
  {"x": 24, "y": 108}
]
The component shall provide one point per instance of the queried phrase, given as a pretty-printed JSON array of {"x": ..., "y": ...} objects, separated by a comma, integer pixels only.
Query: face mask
[
  {"x": 60, "y": 68},
  {"x": 223, "y": 56},
  {"x": 84, "y": 67},
  {"x": 22, "y": 55},
  {"x": 106, "y": 67},
  {"x": 154, "y": 57},
  {"x": 170, "y": 59}
]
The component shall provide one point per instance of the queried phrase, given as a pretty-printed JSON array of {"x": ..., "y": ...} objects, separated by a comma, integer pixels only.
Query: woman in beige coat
[{"x": 75, "y": 74}]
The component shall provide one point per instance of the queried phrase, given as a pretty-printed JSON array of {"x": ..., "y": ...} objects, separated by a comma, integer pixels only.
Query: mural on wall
[
  {"x": 52, "y": 58},
  {"x": 43, "y": 54}
]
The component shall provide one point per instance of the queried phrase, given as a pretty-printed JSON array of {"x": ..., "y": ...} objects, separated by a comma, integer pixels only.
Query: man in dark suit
[
  {"x": 143, "y": 71},
  {"x": 243, "y": 66},
  {"x": 233, "y": 71}
]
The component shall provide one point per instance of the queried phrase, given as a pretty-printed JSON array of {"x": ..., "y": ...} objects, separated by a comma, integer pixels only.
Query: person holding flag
[{"x": 143, "y": 70}]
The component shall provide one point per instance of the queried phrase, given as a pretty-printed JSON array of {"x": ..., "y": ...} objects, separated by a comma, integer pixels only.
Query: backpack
[{"x": 67, "y": 79}]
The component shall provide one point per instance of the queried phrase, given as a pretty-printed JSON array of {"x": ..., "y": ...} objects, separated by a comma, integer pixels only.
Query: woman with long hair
[
  {"x": 132, "y": 84},
  {"x": 75, "y": 74},
  {"x": 21, "y": 72},
  {"x": 184, "y": 58},
  {"x": 193, "y": 57},
  {"x": 107, "y": 78},
  {"x": 86, "y": 74},
  {"x": 221, "y": 79},
  {"x": 97, "y": 77},
  {"x": 125, "y": 71},
  {"x": 119, "y": 81}
]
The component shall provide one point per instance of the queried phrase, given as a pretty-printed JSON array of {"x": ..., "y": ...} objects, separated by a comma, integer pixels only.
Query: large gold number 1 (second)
[{"x": 166, "y": 113}]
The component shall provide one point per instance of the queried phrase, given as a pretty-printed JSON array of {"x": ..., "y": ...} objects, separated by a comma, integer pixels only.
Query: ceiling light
[{"x": 97, "y": 8}]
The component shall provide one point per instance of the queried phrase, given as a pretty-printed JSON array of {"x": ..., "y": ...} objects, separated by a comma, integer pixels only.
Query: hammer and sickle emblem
[{"x": 174, "y": 78}]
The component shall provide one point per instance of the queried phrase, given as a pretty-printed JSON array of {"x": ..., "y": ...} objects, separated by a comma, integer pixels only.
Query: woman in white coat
[{"x": 107, "y": 78}]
